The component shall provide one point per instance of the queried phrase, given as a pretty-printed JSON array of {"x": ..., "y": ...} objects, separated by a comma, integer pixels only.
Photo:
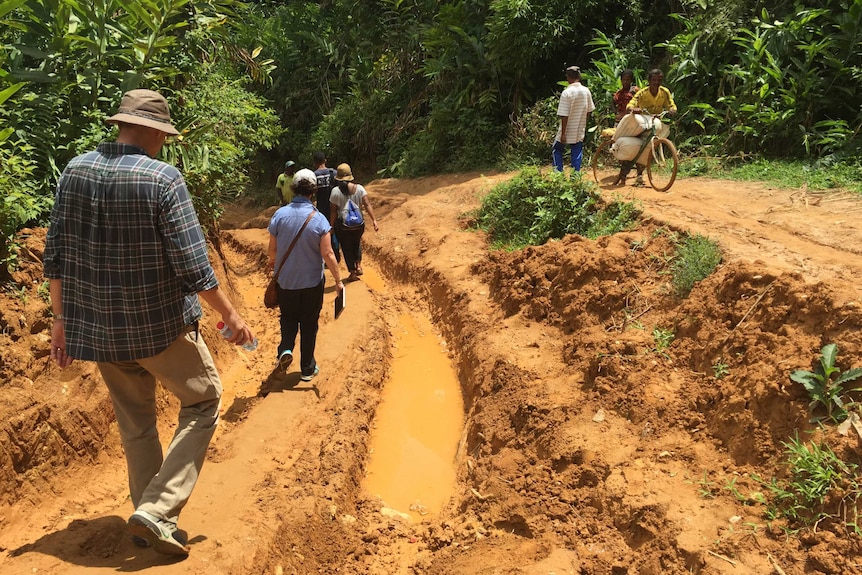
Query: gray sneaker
[
  {"x": 311, "y": 376},
  {"x": 284, "y": 360},
  {"x": 159, "y": 533}
]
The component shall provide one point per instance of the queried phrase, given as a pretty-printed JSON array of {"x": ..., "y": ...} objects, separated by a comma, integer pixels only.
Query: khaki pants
[{"x": 162, "y": 484}]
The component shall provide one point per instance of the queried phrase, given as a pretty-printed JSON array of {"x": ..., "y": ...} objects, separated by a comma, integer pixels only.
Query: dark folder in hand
[{"x": 339, "y": 302}]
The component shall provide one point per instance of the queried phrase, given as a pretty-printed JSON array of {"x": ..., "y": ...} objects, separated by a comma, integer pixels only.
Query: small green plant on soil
[
  {"x": 730, "y": 487},
  {"x": 44, "y": 292},
  {"x": 707, "y": 487},
  {"x": 663, "y": 338},
  {"x": 18, "y": 291},
  {"x": 750, "y": 499},
  {"x": 826, "y": 385},
  {"x": 632, "y": 320},
  {"x": 534, "y": 207},
  {"x": 820, "y": 487},
  {"x": 720, "y": 369},
  {"x": 696, "y": 257}
]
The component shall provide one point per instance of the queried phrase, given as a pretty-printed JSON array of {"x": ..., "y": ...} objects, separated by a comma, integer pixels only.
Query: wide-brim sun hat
[
  {"x": 343, "y": 173},
  {"x": 144, "y": 108}
]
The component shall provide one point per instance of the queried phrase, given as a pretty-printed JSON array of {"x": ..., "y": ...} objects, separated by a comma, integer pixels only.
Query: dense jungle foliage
[{"x": 410, "y": 87}]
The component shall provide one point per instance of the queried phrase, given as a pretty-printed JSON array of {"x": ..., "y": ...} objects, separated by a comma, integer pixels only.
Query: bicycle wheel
[
  {"x": 662, "y": 164},
  {"x": 603, "y": 160}
]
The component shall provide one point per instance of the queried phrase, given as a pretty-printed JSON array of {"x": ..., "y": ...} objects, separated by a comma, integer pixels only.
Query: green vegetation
[
  {"x": 65, "y": 64},
  {"x": 826, "y": 385},
  {"x": 696, "y": 258},
  {"x": 534, "y": 207},
  {"x": 720, "y": 369},
  {"x": 820, "y": 486},
  {"x": 663, "y": 338},
  {"x": 707, "y": 488},
  {"x": 823, "y": 175},
  {"x": 225, "y": 126},
  {"x": 411, "y": 88},
  {"x": 21, "y": 201}
]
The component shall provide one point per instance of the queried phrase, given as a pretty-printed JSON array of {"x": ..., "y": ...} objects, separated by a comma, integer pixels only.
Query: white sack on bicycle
[
  {"x": 625, "y": 149},
  {"x": 632, "y": 125},
  {"x": 636, "y": 124}
]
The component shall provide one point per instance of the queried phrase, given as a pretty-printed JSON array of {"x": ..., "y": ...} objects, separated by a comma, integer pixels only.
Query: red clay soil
[{"x": 587, "y": 448}]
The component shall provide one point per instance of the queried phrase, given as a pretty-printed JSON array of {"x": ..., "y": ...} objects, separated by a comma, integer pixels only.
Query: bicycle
[{"x": 662, "y": 162}]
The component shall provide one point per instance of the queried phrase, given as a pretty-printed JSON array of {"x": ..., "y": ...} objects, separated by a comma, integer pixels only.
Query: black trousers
[
  {"x": 300, "y": 313},
  {"x": 350, "y": 240}
]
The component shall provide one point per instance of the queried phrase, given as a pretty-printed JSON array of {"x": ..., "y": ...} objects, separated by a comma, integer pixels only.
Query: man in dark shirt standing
[
  {"x": 325, "y": 182},
  {"x": 126, "y": 260}
]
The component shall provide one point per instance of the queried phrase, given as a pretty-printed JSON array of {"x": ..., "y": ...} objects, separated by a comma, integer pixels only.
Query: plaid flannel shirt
[{"x": 125, "y": 240}]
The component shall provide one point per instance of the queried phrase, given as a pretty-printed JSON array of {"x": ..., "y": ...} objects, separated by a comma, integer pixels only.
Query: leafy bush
[
  {"x": 696, "y": 257},
  {"x": 22, "y": 204},
  {"x": 531, "y": 135},
  {"x": 347, "y": 135},
  {"x": 223, "y": 125},
  {"x": 455, "y": 140},
  {"x": 824, "y": 389},
  {"x": 533, "y": 207}
]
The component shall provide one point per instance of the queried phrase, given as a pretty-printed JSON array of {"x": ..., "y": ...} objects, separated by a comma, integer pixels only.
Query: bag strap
[{"x": 293, "y": 243}]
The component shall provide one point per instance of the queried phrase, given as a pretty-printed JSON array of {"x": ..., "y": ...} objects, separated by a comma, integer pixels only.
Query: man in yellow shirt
[
  {"x": 282, "y": 185},
  {"x": 654, "y": 99}
]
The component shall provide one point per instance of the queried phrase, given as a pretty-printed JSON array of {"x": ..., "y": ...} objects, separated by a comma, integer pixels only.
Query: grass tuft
[{"x": 697, "y": 257}]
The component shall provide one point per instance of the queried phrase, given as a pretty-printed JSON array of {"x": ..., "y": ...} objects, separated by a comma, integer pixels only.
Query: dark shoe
[
  {"x": 284, "y": 360},
  {"x": 359, "y": 271},
  {"x": 311, "y": 376},
  {"x": 161, "y": 534}
]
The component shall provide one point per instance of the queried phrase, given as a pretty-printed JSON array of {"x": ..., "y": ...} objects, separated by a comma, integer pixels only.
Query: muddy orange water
[{"x": 418, "y": 424}]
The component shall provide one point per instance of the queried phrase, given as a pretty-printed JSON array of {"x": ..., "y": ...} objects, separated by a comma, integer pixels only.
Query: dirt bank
[{"x": 587, "y": 447}]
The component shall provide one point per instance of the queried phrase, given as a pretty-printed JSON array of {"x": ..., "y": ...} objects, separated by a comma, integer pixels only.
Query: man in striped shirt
[
  {"x": 576, "y": 103},
  {"x": 126, "y": 259}
]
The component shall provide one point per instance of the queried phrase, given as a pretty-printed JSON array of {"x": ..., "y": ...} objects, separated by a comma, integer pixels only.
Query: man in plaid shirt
[{"x": 126, "y": 259}]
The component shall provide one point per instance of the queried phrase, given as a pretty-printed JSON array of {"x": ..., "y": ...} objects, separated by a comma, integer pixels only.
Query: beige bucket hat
[
  {"x": 343, "y": 173},
  {"x": 144, "y": 108}
]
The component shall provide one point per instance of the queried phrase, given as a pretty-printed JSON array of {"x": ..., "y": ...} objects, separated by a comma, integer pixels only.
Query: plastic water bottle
[{"x": 226, "y": 333}]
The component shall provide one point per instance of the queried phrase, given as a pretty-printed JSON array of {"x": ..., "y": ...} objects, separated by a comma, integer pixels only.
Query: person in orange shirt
[{"x": 624, "y": 95}]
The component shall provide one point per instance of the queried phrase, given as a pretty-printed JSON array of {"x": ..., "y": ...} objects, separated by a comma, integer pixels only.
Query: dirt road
[{"x": 586, "y": 449}]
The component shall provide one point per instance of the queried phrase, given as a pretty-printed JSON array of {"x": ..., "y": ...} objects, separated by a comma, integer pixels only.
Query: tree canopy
[{"x": 410, "y": 87}]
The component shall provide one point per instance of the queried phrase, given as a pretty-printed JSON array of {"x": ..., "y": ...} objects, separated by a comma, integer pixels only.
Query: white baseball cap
[{"x": 304, "y": 177}]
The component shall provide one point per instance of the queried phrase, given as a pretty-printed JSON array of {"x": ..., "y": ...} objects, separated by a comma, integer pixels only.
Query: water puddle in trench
[{"x": 417, "y": 426}]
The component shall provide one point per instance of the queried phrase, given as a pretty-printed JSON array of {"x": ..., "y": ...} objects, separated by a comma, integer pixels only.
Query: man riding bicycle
[{"x": 654, "y": 99}]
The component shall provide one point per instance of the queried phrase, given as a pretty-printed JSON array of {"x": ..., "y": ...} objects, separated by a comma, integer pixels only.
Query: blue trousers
[{"x": 577, "y": 155}]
